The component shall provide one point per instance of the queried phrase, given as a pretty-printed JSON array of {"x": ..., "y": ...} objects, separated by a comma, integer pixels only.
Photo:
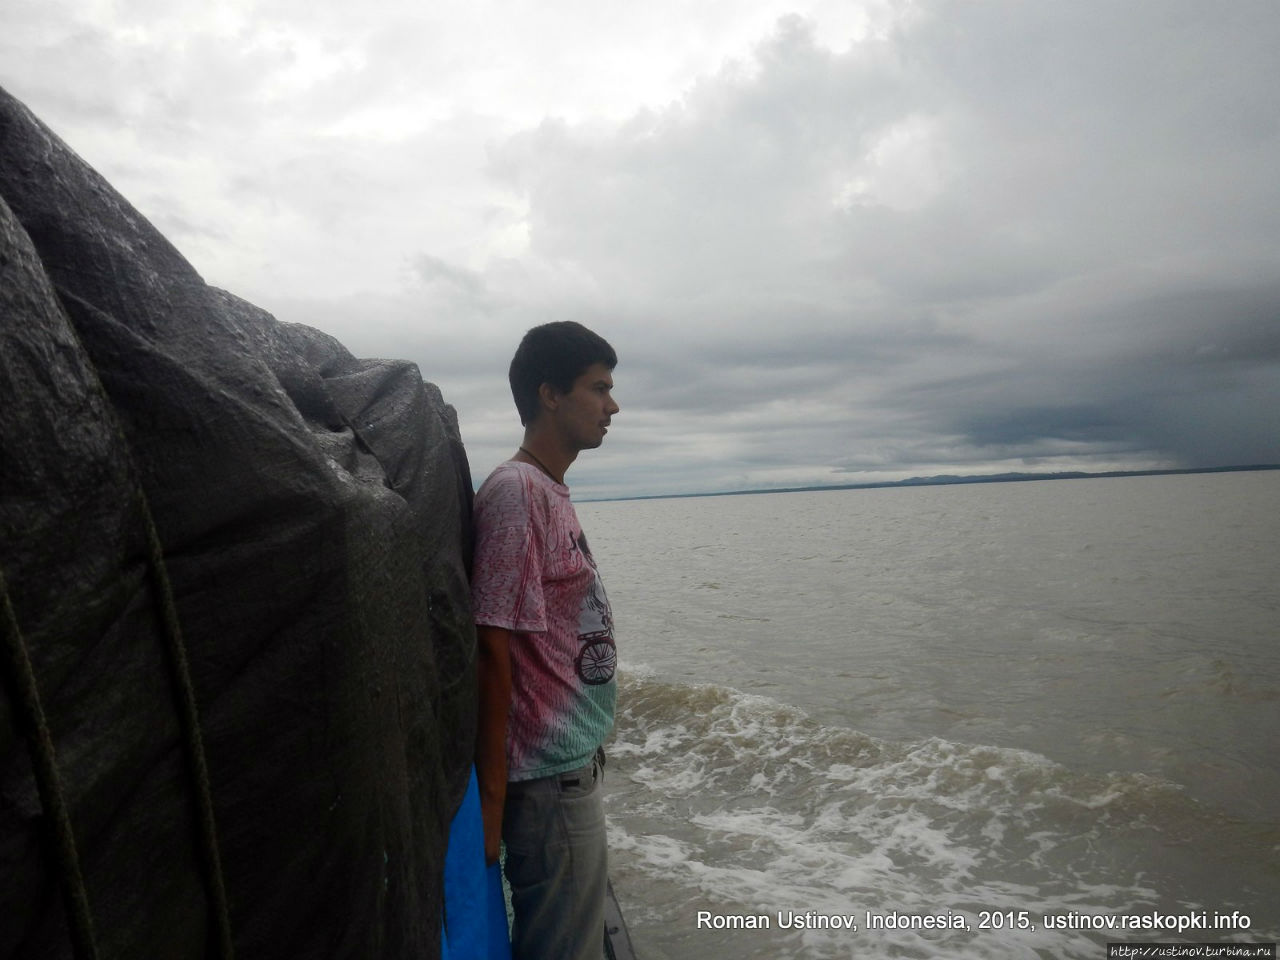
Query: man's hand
[
  {"x": 491, "y": 816},
  {"x": 493, "y": 670}
]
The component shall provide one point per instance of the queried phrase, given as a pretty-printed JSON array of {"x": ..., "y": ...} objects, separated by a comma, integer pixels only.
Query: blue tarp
[{"x": 475, "y": 913}]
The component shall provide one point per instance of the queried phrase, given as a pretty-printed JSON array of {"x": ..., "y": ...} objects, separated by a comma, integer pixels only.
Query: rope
[
  {"x": 193, "y": 740},
  {"x": 30, "y": 720},
  {"x": 179, "y": 673}
]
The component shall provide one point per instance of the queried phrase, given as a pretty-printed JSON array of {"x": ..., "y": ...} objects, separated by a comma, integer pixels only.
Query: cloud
[
  {"x": 830, "y": 241},
  {"x": 1010, "y": 235}
]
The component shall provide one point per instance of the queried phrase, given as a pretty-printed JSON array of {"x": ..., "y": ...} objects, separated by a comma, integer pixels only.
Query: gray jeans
[{"x": 557, "y": 865}]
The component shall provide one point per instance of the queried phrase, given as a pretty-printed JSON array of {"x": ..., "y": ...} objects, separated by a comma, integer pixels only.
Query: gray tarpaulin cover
[{"x": 311, "y": 513}]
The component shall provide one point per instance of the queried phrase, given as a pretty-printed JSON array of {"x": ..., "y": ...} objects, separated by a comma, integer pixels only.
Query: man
[{"x": 546, "y": 652}]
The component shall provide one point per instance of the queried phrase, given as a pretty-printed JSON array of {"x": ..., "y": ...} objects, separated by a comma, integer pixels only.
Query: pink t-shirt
[{"x": 533, "y": 574}]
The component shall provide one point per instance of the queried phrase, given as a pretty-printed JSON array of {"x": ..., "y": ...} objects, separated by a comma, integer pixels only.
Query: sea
[{"x": 998, "y": 720}]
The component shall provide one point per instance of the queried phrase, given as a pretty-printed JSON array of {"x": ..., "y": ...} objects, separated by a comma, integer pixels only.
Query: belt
[{"x": 570, "y": 778}]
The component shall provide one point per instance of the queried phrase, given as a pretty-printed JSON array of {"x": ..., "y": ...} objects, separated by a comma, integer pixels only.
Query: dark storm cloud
[{"x": 1195, "y": 376}]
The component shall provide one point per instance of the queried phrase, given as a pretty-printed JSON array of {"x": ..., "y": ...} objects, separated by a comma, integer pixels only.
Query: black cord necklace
[{"x": 529, "y": 453}]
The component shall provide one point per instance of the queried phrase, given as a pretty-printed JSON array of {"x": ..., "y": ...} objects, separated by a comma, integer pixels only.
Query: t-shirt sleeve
[{"x": 506, "y": 581}]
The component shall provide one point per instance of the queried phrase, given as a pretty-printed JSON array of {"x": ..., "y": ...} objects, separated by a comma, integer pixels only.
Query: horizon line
[{"x": 939, "y": 480}]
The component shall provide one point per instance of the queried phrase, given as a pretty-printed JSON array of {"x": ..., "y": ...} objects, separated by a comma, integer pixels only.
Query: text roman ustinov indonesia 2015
[{"x": 981, "y": 920}]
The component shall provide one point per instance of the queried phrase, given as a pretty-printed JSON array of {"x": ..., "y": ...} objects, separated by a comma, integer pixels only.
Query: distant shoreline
[{"x": 943, "y": 480}]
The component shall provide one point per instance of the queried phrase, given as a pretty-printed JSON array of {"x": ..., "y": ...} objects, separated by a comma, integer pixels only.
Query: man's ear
[{"x": 548, "y": 396}]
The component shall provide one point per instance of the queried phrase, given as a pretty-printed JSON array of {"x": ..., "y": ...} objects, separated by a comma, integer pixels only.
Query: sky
[{"x": 831, "y": 242}]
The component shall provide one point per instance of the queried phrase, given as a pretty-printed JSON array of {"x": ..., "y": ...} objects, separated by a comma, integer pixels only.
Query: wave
[{"x": 732, "y": 802}]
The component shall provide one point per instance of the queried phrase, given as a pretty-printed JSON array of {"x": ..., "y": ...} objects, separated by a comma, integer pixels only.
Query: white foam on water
[{"x": 735, "y": 804}]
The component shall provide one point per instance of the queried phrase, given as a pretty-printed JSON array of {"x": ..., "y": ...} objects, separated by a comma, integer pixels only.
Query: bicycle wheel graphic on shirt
[{"x": 598, "y": 659}]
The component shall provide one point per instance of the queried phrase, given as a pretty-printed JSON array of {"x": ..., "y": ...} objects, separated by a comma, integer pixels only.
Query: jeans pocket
[{"x": 576, "y": 784}]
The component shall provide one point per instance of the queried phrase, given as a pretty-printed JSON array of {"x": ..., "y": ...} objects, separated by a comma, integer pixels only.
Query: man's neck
[{"x": 549, "y": 457}]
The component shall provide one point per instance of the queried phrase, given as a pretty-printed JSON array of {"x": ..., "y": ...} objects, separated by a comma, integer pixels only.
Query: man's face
[{"x": 584, "y": 412}]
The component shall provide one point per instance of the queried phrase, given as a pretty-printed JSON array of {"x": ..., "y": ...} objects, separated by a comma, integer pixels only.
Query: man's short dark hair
[{"x": 555, "y": 353}]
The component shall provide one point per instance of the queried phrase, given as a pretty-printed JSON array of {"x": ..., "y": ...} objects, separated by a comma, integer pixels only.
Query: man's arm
[{"x": 494, "y": 674}]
